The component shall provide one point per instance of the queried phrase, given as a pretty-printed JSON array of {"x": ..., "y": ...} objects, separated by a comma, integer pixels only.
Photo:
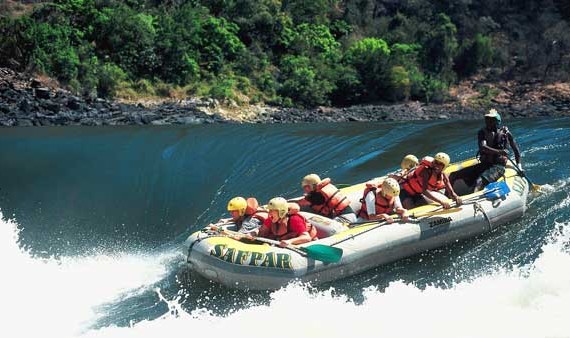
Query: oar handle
[
  {"x": 264, "y": 240},
  {"x": 518, "y": 170}
]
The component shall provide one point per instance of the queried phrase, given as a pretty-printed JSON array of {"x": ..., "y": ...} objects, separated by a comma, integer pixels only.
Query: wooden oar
[
  {"x": 320, "y": 252},
  {"x": 535, "y": 187}
]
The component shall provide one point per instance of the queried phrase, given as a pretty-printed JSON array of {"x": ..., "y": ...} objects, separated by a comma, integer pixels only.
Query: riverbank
[{"x": 32, "y": 101}]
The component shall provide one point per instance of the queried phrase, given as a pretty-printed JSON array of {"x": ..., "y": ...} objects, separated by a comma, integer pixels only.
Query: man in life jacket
[
  {"x": 422, "y": 185},
  {"x": 380, "y": 200},
  {"x": 493, "y": 142},
  {"x": 246, "y": 214},
  {"x": 326, "y": 199},
  {"x": 409, "y": 162},
  {"x": 285, "y": 224}
]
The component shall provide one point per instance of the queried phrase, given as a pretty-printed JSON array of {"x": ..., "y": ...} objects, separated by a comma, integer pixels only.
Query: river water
[{"x": 93, "y": 220}]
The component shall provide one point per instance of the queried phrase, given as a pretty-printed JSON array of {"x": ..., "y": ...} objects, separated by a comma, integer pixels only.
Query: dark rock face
[
  {"x": 42, "y": 93},
  {"x": 25, "y": 102},
  {"x": 28, "y": 102}
]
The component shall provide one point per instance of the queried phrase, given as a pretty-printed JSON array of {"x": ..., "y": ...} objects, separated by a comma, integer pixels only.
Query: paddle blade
[
  {"x": 324, "y": 253},
  {"x": 496, "y": 190}
]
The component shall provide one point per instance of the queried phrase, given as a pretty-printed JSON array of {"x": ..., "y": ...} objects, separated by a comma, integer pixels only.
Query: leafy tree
[
  {"x": 434, "y": 90},
  {"x": 178, "y": 43},
  {"x": 441, "y": 48},
  {"x": 474, "y": 54},
  {"x": 128, "y": 39},
  {"x": 315, "y": 40},
  {"x": 109, "y": 77},
  {"x": 400, "y": 84},
  {"x": 370, "y": 57},
  {"x": 218, "y": 43},
  {"x": 311, "y": 11},
  {"x": 302, "y": 83}
]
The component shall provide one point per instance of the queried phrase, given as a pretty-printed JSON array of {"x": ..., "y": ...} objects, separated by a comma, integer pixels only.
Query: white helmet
[
  {"x": 311, "y": 180},
  {"x": 280, "y": 204},
  {"x": 442, "y": 158},
  {"x": 409, "y": 162},
  {"x": 390, "y": 187}
]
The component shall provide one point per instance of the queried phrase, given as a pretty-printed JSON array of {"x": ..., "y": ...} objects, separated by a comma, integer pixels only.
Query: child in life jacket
[
  {"x": 423, "y": 184},
  {"x": 285, "y": 224},
  {"x": 245, "y": 214},
  {"x": 380, "y": 200},
  {"x": 326, "y": 199},
  {"x": 409, "y": 162}
]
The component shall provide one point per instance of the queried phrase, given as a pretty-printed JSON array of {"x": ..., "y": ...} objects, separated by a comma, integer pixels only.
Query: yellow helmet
[
  {"x": 237, "y": 204},
  {"x": 390, "y": 187},
  {"x": 280, "y": 204},
  {"x": 442, "y": 158},
  {"x": 409, "y": 162},
  {"x": 311, "y": 179}
]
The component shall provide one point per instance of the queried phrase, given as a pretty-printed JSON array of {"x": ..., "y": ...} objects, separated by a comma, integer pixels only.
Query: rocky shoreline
[{"x": 27, "y": 101}]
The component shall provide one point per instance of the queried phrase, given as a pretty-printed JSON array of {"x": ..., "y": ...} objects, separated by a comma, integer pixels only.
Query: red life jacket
[
  {"x": 335, "y": 201},
  {"x": 414, "y": 182},
  {"x": 383, "y": 205},
  {"x": 280, "y": 229}
]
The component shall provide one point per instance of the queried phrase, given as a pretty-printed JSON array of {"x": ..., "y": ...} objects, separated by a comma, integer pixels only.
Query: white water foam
[
  {"x": 58, "y": 297},
  {"x": 528, "y": 302}
]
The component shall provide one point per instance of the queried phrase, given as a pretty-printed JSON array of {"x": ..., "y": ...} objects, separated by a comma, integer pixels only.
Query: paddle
[
  {"x": 320, "y": 252},
  {"x": 492, "y": 190},
  {"x": 535, "y": 187}
]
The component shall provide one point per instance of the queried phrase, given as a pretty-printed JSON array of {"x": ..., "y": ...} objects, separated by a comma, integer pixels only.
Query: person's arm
[
  {"x": 450, "y": 191},
  {"x": 303, "y": 201},
  {"x": 370, "y": 201},
  {"x": 220, "y": 223},
  {"x": 425, "y": 177},
  {"x": 400, "y": 210},
  {"x": 250, "y": 225},
  {"x": 515, "y": 148},
  {"x": 264, "y": 230},
  {"x": 302, "y": 238},
  {"x": 484, "y": 148},
  {"x": 297, "y": 233}
]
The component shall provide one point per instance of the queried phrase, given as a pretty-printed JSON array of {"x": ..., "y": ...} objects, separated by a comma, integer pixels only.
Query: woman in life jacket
[
  {"x": 380, "y": 200},
  {"x": 423, "y": 184},
  {"x": 246, "y": 214},
  {"x": 285, "y": 224},
  {"x": 325, "y": 199},
  {"x": 409, "y": 162}
]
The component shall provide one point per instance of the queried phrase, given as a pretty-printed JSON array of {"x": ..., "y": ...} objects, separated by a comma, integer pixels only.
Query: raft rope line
[
  {"x": 478, "y": 208},
  {"x": 209, "y": 234},
  {"x": 218, "y": 233}
]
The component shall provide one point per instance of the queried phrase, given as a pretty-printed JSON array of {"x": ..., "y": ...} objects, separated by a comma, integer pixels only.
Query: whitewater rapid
[{"x": 63, "y": 297}]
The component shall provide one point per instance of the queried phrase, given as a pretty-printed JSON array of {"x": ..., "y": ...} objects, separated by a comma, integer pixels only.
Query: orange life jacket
[
  {"x": 280, "y": 229},
  {"x": 335, "y": 201},
  {"x": 253, "y": 210},
  {"x": 383, "y": 205},
  {"x": 414, "y": 182}
]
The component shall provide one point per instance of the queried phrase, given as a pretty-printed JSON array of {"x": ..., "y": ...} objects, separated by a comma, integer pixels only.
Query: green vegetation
[{"x": 294, "y": 52}]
